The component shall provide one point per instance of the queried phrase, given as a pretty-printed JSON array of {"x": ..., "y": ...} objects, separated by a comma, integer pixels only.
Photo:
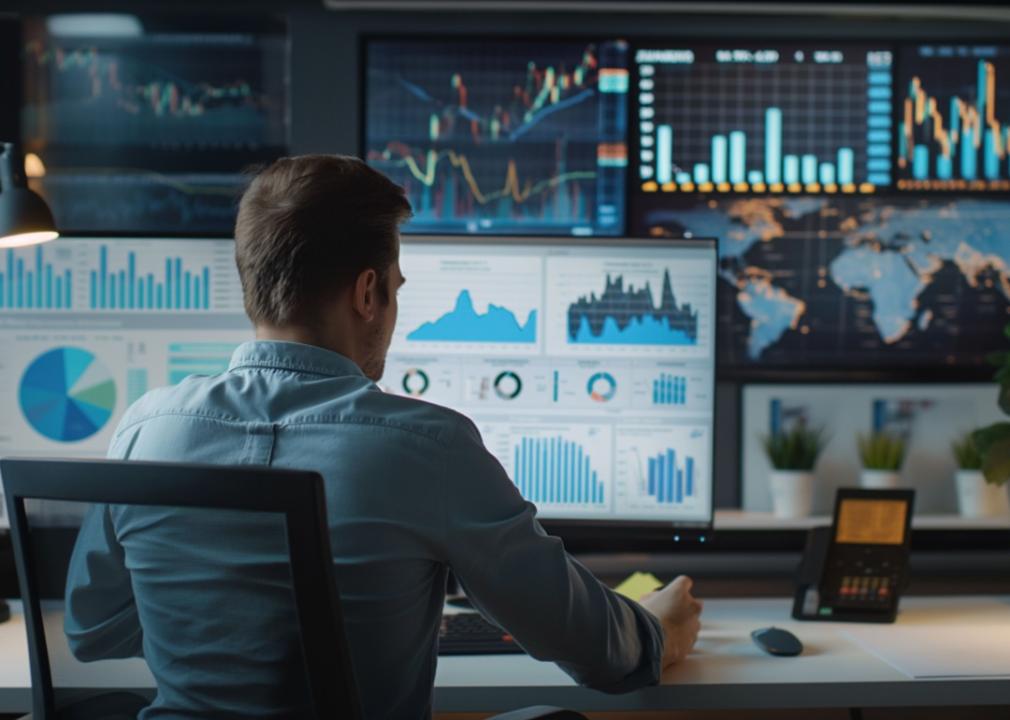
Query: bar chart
[
  {"x": 664, "y": 471},
  {"x": 788, "y": 119},
  {"x": 29, "y": 280},
  {"x": 125, "y": 288},
  {"x": 669, "y": 390},
  {"x": 950, "y": 135},
  {"x": 670, "y": 480},
  {"x": 555, "y": 470}
]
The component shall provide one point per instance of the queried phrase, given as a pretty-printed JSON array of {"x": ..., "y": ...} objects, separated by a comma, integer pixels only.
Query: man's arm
[
  {"x": 522, "y": 578},
  {"x": 101, "y": 617}
]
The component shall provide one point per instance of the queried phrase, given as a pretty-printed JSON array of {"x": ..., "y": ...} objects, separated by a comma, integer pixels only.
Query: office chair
[{"x": 298, "y": 496}]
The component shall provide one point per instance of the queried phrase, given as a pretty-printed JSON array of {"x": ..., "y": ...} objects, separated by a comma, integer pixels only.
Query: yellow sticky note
[{"x": 638, "y": 584}]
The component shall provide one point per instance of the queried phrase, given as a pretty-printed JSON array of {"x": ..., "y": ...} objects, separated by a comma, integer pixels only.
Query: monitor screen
[
  {"x": 587, "y": 365},
  {"x": 89, "y": 325},
  {"x": 501, "y": 136},
  {"x": 953, "y": 107},
  {"x": 145, "y": 123},
  {"x": 763, "y": 118}
]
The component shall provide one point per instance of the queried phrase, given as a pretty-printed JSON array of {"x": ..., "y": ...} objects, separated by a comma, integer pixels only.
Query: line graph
[
  {"x": 170, "y": 117},
  {"x": 504, "y": 136}
]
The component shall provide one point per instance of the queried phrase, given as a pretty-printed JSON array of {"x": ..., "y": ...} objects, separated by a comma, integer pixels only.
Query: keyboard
[{"x": 470, "y": 634}]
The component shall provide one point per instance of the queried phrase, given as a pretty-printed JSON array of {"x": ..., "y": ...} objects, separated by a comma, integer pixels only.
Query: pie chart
[{"x": 67, "y": 395}]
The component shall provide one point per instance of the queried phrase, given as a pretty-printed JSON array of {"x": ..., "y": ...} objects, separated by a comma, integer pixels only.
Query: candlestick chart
[
  {"x": 507, "y": 136},
  {"x": 953, "y": 131}
]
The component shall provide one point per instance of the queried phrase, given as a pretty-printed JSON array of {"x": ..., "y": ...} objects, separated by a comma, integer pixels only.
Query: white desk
[{"x": 727, "y": 671}]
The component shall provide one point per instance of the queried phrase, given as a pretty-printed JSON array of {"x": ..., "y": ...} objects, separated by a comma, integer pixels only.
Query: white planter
[
  {"x": 977, "y": 498},
  {"x": 792, "y": 493},
  {"x": 879, "y": 479}
]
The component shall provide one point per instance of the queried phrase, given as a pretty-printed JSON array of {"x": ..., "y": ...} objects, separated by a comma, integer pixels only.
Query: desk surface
[{"x": 727, "y": 671}]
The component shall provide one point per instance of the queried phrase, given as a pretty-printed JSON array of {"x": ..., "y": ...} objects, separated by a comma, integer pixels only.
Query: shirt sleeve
[
  {"x": 100, "y": 618},
  {"x": 525, "y": 581}
]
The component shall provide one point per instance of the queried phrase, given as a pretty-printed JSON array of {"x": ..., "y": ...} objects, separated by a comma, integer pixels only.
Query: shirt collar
[{"x": 277, "y": 355}]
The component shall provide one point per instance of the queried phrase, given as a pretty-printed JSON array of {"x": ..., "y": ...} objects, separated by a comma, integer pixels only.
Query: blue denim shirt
[{"x": 411, "y": 492}]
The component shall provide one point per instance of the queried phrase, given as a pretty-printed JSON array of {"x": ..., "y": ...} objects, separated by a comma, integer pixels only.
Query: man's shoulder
[
  {"x": 187, "y": 397},
  {"x": 415, "y": 415}
]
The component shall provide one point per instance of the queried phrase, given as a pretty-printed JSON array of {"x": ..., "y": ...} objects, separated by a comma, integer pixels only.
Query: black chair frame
[{"x": 298, "y": 496}]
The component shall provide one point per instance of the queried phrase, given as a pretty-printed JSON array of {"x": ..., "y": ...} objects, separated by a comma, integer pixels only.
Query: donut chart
[
  {"x": 66, "y": 394},
  {"x": 602, "y": 387}
]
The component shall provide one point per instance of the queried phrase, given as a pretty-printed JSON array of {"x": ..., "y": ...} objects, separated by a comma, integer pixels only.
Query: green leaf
[
  {"x": 997, "y": 358},
  {"x": 1004, "y": 398},
  {"x": 996, "y": 466},
  {"x": 1006, "y": 330},
  {"x": 988, "y": 436}
]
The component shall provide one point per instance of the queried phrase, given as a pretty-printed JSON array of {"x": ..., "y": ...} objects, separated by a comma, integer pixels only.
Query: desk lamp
[{"x": 25, "y": 219}]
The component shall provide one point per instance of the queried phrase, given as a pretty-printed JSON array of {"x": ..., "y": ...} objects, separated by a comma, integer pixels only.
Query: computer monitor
[
  {"x": 88, "y": 325},
  {"x": 520, "y": 136},
  {"x": 586, "y": 364}
]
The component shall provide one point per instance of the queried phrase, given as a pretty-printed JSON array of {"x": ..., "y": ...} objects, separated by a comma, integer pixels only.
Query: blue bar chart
[
  {"x": 788, "y": 119},
  {"x": 30, "y": 281},
  {"x": 950, "y": 133},
  {"x": 126, "y": 288},
  {"x": 555, "y": 470},
  {"x": 670, "y": 483},
  {"x": 669, "y": 390}
]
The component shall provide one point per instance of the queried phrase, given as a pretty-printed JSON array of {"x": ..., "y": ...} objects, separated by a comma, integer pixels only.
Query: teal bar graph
[
  {"x": 664, "y": 154},
  {"x": 719, "y": 155},
  {"x": 555, "y": 470},
  {"x": 773, "y": 145},
  {"x": 29, "y": 281},
  {"x": 178, "y": 288},
  {"x": 737, "y": 157}
]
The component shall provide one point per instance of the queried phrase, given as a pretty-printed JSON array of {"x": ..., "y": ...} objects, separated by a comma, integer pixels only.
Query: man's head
[{"x": 317, "y": 247}]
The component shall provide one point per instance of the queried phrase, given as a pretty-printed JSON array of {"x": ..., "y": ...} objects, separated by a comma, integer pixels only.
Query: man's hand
[{"x": 680, "y": 615}]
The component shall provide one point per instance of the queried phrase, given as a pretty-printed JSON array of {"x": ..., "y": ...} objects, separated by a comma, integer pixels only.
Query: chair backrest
[{"x": 295, "y": 495}]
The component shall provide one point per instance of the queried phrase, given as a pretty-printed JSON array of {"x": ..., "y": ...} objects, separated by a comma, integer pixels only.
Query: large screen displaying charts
[
  {"x": 144, "y": 124},
  {"x": 588, "y": 366},
  {"x": 764, "y": 118},
  {"x": 954, "y": 112},
  {"x": 501, "y": 136},
  {"x": 89, "y": 325}
]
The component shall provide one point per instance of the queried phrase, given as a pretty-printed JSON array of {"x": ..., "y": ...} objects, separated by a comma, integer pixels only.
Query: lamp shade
[{"x": 25, "y": 219}]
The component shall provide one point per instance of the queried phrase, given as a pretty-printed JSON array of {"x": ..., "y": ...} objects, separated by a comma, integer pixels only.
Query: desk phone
[{"x": 856, "y": 569}]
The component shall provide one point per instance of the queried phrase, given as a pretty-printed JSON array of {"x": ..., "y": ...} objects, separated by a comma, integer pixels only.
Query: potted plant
[
  {"x": 975, "y": 497},
  {"x": 882, "y": 454},
  {"x": 793, "y": 454},
  {"x": 993, "y": 442}
]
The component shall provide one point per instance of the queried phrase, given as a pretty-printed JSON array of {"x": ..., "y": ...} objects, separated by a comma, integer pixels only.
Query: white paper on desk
[{"x": 940, "y": 651}]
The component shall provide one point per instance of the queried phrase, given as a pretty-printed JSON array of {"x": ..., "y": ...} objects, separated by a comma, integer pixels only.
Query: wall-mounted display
[
  {"x": 778, "y": 118},
  {"x": 954, "y": 118},
  {"x": 149, "y": 128},
  {"x": 501, "y": 136}
]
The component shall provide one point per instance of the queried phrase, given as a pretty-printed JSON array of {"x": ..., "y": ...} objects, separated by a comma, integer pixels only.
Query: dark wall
[{"x": 326, "y": 80}]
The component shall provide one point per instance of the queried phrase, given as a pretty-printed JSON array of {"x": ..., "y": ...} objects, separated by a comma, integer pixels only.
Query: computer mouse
[{"x": 776, "y": 641}]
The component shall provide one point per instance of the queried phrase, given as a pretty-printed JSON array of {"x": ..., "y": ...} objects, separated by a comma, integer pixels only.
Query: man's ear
[{"x": 364, "y": 295}]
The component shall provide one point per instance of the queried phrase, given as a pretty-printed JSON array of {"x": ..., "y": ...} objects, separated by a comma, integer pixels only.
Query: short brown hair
[{"x": 307, "y": 227}]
